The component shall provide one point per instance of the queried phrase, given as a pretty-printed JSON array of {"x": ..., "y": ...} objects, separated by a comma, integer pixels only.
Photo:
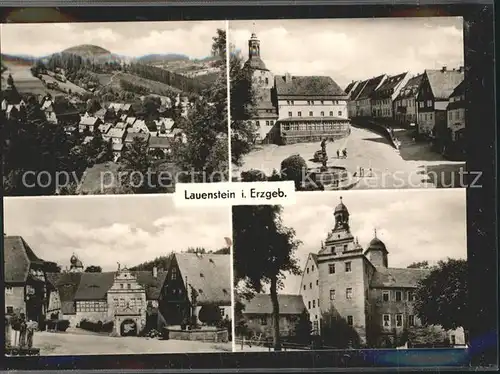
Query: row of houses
[
  {"x": 155, "y": 298},
  {"x": 433, "y": 101}
]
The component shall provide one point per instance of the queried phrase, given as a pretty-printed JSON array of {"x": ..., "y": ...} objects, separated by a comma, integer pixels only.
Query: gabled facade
[
  {"x": 24, "y": 280},
  {"x": 405, "y": 105},
  {"x": 433, "y": 97},
  {"x": 383, "y": 97},
  {"x": 357, "y": 285},
  {"x": 364, "y": 100},
  {"x": 350, "y": 90},
  {"x": 456, "y": 113},
  {"x": 309, "y": 290}
]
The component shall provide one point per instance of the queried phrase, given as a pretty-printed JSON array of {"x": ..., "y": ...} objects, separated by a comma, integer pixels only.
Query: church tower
[
  {"x": 377, "y": 252},
  {"x": 76, "y": 266},
  {"x": 343, "y": 282}
]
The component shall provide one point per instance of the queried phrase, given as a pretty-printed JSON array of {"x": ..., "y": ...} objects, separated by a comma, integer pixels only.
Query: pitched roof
[
  {"x": 208, "y": 274},
  {"x": 370, "y": 87},
  {"x": 397, "y": 278},
  {"x": 350, "y": 87},
  {"x": 315, "y": 258},
  {"x": 357, "y": 90},
  {"x": 132, "y": 135},
  {"x": 386, "y": 89},
  {"x": 411, "y": 87},
  {"x": 152, "y": 285},
  {"x": 89, "y": 121},
  {"x": 261, "y": 304},
  {"x": 94, "y": 286},
  {"x": 18, "y": 257},
  {"x": 115, "y": 132},
  {"x": 66, "y": 284},
  {"x": 459, "y": 90},
  {"x": 104, "y": 128},
  {"x": 307, "y": 86},
  {"x": 101, "y": 112},
  {"x": 443, "y": 83}
]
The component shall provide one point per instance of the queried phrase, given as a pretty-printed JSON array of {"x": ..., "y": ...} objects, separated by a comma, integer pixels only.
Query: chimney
[
  {"x": 155, "y": 272},
  {"x": 443, "y": 69},
  {"x": 288, "y": 78}
]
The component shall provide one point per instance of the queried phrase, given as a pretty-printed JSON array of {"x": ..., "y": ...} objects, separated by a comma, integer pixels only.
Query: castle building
[
  {"x": 291, "y": 109},
  {"x": 359, "y": 286}
]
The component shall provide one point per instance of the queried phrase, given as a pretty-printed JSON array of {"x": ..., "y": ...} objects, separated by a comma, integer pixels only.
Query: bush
[
  {"x": 210, "y": 314},
  {"x": 98, "y": 326},
  {"x": 253, "y": 175},
  {"x": 57, "y": 324},
  {"x": 293, "y": 168}
]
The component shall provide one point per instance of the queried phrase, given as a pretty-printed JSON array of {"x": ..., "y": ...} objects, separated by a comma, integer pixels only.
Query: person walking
[{"x": 338, "y": 153}]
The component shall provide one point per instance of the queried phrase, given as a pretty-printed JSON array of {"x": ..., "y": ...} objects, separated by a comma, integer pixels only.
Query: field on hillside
[
  {"x": 65, "y": 86},
  {"x": 24, "y": 81},
  {"x": 153, "y": 86}
]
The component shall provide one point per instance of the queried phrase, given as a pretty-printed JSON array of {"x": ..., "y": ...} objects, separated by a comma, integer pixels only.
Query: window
[
  {"x": 291, "y": 102},
  {"x": 315, "y": 325},
  {"x": 331, "y": 268},
  {"x": 411, "y": 320},
  {"x": 308, "y": 305},
  {"x": 317, "y": 282},
  {"x": 398, "y": 296},
  {"x": 348, "y": 267},
  {"x": 345, "y": 247},
  {"x": 430, "y": 116},
  {"x": 299, "y": 114},
  {"x": 263, "y": 321},
  {"x": 304, "y": 287},
  {"x": 453, "y": 340},
  {"x": 420, "y": 104},
  {"x": 429, "y": 103},
  {"x": 222, "y": 313},
  {"x": 348, "y": 293},
  {"x": 314, "y": 303},
  {"x": 9, "y": 290},
  {"x": 385, "y": 295},
  {"x": 267, "y": 123},
  {"x": 322, "y": 114},
  {"x": 129, "y": 286},
  {"x": 271, "y": 123},
  {"x": 289, "y": 114},
  {"x": 257, "y": 123},
  {"x": 331, "y": 114},
  {"x": 340, "y": 113},
  {"x": 312, "y": 268},
  {"x": 121, "y": 285},
  {"x": 267, "y": 80},
  {"x": 10, "y": 310},
  {"x": 332, "y": 294},
  {"x": 350, "y": 321},
  {"x": 386, "y": 320},
  {"x": 310, "y": 285},
  {"x": 318, "y": 303},
  {"x": 322, "y": 102},
  {"x": 307, "y": 270},
  {"x": 310, "y": 114},
  {"x": 174, "y": 270},
  {"x": 399, "y": 320}
]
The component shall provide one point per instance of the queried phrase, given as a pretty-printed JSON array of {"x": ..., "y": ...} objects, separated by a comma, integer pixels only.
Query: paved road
[
  {"x": 82, "y": 344},
  {"x": 413, "y": 166}
]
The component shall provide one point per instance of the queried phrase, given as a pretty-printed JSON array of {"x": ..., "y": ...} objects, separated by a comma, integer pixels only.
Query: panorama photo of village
[
  {"x": 363, "y": 270},
  {"x": 112, "y": 108},
  {"x": 127, "y": 283},
  {"x": 350, "y": 103}
]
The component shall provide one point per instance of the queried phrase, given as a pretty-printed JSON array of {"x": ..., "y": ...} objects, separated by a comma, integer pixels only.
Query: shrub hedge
[
  {"x": 98, "y": 326},
  {"x": 57, "y": 324}
]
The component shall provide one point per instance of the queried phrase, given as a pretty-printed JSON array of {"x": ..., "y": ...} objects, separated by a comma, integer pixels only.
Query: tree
[
  {"x": 293, "y": 168},
  {"x": 335, "y": 331},
  {"x": 51, "y": 267},
  {"x": 136, "y": 165},
  {"x": 253, "y": 175},
  {"x": 303, "y": 328},
  {"x": 419, "y": 265},
  {"x": 441, "y": 297},
  {"x": 243, "y": 102},
  {"x": 262, "y": 238},
  {"x": 223, "y": 251},
  {"x": 93, "y": 269},
  {"x": 196, "y": 250}
]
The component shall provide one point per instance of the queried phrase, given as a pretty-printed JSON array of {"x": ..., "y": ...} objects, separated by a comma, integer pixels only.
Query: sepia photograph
[
  {"x": 113, "y": 108},
  {"x": 96, "y": 278},
  {"x": 338, "y": 104},
  {"x": 364, "y": 270}
]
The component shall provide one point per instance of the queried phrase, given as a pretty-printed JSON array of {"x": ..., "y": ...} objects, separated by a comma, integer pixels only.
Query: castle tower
[
  {"x": 76, "y": 266},
  {"x": 377, "y": 252},
  {"x": 343, "y": 280},
  {"x": 261, "y": 75}
]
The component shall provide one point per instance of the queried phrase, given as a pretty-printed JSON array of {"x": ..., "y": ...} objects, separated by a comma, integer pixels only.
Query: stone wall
[{"x": 216, "y": 336}]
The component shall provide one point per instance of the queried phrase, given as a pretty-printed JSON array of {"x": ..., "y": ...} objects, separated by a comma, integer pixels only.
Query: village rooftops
[
  {"x": 119, "y": 107},
  {"x": 18, "y": 258},
  {"x": 121, "y": 125},
  {"x": 386, "y": 89},
  {"x": 443, "y": 82},
  {"x": 133, "y": 135},
  {"x": 104, "y": 128},
  {"x": 397, "y": 278},
  {"x": 117, "y": 147},
  {"x": 369, "y": 88},
  {"x": 66, "y": 284},
  {"x": 88, "y": 121},
  {"x": 101, "y": 113},
  {"x": 355, "y": 91},
  {"x": 208, "y": 274},
  {"x": 459, "y": 95},
  {"x": 261, "y": 304},
  {"x": 116, "y": 132},
  {"x": 350, "y": 87},
  {"x": 130, "y": 120},
  {"x": 307, "y": 87},
  {"x": 410, "y": 90},
  {"x": 167, "y": 122}
]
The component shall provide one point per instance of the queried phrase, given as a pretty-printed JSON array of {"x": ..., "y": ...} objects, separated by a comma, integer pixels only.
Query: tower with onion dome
[{"x": 76, "y": 266}]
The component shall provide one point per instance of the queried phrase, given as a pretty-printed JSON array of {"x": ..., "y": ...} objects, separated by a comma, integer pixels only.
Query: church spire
[{"x": 375, "y": 232}]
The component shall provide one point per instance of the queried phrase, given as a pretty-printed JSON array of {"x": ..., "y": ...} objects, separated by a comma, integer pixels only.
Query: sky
[
  {"x": 415, "y": 225},
  {"x": 354, "y": 49},
  {"x": 105, "y": 230},
  {"x": 133, "y": 39}
]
